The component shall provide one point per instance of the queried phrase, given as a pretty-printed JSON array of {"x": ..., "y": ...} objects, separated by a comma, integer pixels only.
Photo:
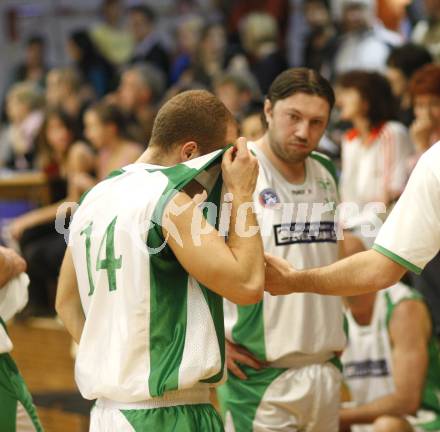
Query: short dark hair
[
  {"x": 194, "y": 115},
  {"x": 145, "y": 10},
  {"x": 426, "y": 81},
  {"x": 110, "y": 114},
  {"x": 300, "y": 80},
  {"x": 375, "y": 89},
  {"x": 408, "y": 58},
  {"x": 36, "y": 40}
]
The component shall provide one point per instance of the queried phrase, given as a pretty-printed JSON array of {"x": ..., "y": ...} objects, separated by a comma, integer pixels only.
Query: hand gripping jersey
[
  {"x": 298, "y": 224},
  {"x": 367, "y": 359},
  {"x": 150, "y": 327}
]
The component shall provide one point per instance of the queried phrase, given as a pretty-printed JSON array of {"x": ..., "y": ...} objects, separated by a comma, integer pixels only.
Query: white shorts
[{"x": 288, "y": 400}]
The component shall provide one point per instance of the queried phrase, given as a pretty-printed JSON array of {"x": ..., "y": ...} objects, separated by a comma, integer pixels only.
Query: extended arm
[{"x": 358, "y": 274}]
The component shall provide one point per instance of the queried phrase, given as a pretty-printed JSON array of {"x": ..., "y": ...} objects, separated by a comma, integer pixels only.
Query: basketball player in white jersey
[
  {"x": 391, "y": 364},
  {"x": 148, "y": 317},
  {"x": 17, "y": 412},
  {"x": 281, "y": 351}
]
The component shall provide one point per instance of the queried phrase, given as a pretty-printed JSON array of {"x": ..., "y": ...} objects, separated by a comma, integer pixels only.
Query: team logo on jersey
[
  {"x": 325, "y": 184},
  {"x": 269, "y": 198}
]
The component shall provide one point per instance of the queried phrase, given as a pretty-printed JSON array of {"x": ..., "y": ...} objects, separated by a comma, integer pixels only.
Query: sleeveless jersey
[
  {"x": 367, "y": 359},
  {"x": 150, "y": 327},
  {"x": 298, "y": 224}
]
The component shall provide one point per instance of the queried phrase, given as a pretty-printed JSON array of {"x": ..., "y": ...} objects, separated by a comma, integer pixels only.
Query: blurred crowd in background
[{"x": 78, "y": 119}]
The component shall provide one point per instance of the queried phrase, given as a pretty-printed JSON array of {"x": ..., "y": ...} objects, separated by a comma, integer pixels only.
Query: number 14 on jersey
[{"x": 110, "y": 263}]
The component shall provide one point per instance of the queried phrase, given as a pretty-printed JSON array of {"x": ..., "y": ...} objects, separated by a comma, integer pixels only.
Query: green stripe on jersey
[
  {"x": 327, "y": 163},
  {"x": 248, "y": 331},
  {"x": 168, "y": 293},
  {"x": 397, "y": 259}
]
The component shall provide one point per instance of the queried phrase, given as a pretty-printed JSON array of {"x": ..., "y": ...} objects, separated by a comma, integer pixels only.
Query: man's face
[
  {"x": 296, "y": 125},
  {"x": 131, "y": 91},
  {"x": 428, "y": 106},
  {"x": 139, "y": 26}
]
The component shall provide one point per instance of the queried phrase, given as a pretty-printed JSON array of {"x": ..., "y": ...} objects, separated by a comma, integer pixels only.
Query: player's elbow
[
  {"x": 251, "y": 289},
  {"x": 412, "y": 404}
]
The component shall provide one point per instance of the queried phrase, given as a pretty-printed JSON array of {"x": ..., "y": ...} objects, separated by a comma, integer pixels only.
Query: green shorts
[
  {"x": 17, "y": 411},
  {"x": 179, "y": 418}
]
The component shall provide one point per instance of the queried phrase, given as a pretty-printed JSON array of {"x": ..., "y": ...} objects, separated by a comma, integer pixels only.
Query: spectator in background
[
  {"x": 110, "y": 36},
  {"x": 95, "y": 70},
  {"x": 24, "y": 103},
  {"x": 188, "y": 34},
  {"x": 402, "y": 62},
  {"x": 64, "y": 90},
  {"x": 210, "y": 59},
  {"x": 425, "y": 92},
  {"x": 141, "y": 88},
  {"x": 148, "y": 47},
  {"x": 427, "y": 32},
  {"x": 236, "y": 92},
  {"x": 376, "y": 151},
  {"x": 259, "y": 37},
  {"x": 34, "y": 67},
  {"x": 105, "y": 130},
  {"x": 321, "y": 40},
  {"x": 365, "y": 43},
  {"x": 251, "y": 124},
  {"x": 62, "y": 158}
]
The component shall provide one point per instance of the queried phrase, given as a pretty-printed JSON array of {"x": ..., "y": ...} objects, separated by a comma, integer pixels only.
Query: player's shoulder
[{"x": 324, "y": 163}]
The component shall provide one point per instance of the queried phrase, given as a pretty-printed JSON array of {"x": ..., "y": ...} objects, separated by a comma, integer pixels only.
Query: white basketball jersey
[
  {"x": 298, "y": 224},
  {"x": 150, "y": 327}
]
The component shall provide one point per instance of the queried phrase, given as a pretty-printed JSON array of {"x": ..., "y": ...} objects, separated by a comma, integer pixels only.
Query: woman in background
[
  {"x": 61, "y": 157},
  {"x": 375, "y": 152}
]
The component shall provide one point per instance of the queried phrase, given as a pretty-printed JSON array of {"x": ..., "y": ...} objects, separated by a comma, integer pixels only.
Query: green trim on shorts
[
  {"x": 397, "y": 259},
  {"x": 241, "y": 398},
  {"x": 14, "y": 390},
  {"x": 179, "y": 418}
]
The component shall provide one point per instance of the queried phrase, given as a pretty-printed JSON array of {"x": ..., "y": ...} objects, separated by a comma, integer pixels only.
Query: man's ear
[
  {"x": 189, "y": 150},
  {"x": 268, "y": 109}
]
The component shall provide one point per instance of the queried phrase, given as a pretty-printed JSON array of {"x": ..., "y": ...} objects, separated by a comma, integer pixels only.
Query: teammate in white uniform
[
  {"x": 17, "y": 412},
  {"x": 391, "y": 363},
  {"x": 148, "y": 317},
  {"x": 291, "y": 339},
  {"x": 408, "y": 240}
]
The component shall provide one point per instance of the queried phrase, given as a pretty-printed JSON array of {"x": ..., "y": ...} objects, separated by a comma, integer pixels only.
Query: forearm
[
  {"x": 6, "y": 269},
  {"x": 392, "y": 405},
  {"x": 42, "y": 215},
  {"x": 245, "y": 241},
  {"x": 358, "y": 274}
]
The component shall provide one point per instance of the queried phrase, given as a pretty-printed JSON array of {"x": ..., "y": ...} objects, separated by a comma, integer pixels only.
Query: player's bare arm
[
  {"x": 358, "y": 274},
  {"x": 68, "y": 302},
  {"x": 11, "y": 265},
  {"x": 237, "y": 270}
]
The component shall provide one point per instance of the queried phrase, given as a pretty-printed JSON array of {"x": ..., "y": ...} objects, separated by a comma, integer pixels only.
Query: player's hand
[
  {"x": 278, "y": 275},
  {"x": 240, "y": 170},
  {"x": 19, "y": 225},
  {"x": 237, "y": 354},
  {"x": 11, "y": 265}
]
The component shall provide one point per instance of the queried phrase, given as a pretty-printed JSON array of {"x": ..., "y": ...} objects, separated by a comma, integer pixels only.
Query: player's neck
[
  {"x": 293, "y": 172},
  {"x": 155, "y": 156}
]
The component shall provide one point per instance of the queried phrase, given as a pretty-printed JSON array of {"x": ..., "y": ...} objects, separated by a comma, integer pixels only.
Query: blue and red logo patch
[{"x": 269, "y": 198}]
